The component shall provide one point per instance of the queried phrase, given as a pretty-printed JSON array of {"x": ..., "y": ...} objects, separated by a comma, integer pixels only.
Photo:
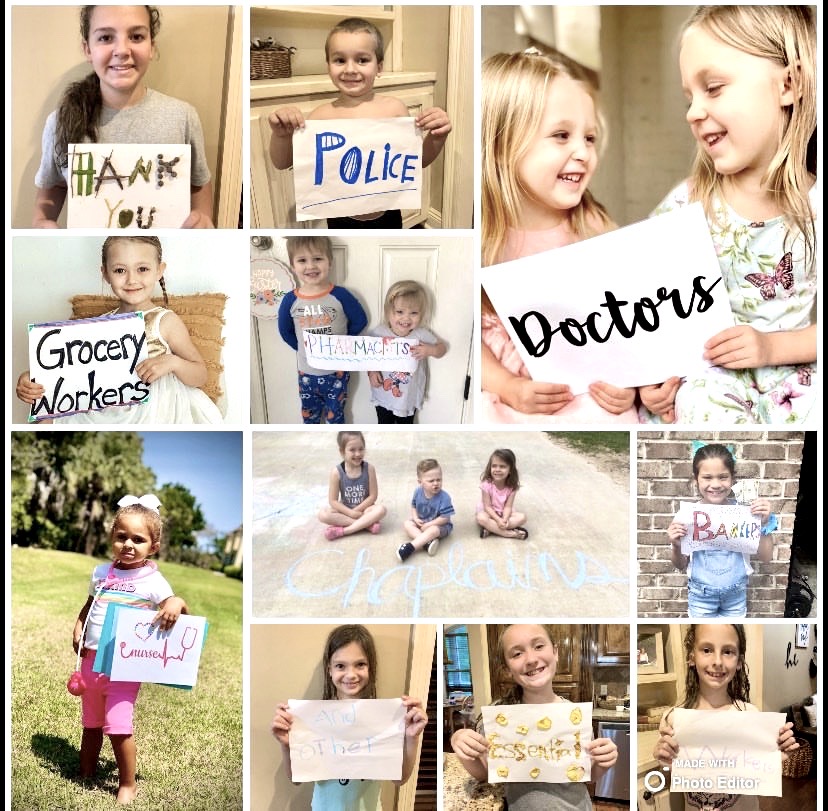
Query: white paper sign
[
  {"x": 353, "y": 740},
  {"x": 362, "y": 353},
  {"x": 538, "y": 743},
  {"x": 87, "y": 364},
  {"x": 719, "y": 526},
  {"x": 344, "y": 167},
  {"x": 144, "y": 186},
  {"x": 145, "y": 653},
  {"x": 737, "y": 754},
  {"x": 632, "y": 307}
]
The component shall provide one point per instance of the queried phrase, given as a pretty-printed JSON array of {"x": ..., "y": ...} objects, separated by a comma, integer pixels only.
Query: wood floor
[{"x": 796, "y": 793}]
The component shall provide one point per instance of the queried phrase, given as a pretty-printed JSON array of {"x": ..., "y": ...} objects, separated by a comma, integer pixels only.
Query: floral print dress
[{"x": 771, "y": 288}]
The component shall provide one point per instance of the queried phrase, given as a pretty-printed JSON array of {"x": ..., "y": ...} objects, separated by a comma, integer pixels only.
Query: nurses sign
[{"x": 346, "y": 167}]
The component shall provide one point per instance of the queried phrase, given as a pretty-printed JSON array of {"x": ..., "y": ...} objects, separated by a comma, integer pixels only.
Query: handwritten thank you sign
[
  {"x": 353, "y": 740},
  {"x": 730, "y": 755},
  {"x": 128, "y": 185},
  {"x": 87, "y": 364},
  {"x": 538, "y": 743},
  {"x": 343, "y": 167},
  {"x": 362, "y": 353},
  {"x": 631, "y": 307},
  {"x": 719, "y": 526},
  {"x": 133, "y": 649}
]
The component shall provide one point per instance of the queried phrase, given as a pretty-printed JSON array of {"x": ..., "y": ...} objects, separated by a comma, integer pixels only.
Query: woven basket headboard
[{"x": 202, "y": 314}]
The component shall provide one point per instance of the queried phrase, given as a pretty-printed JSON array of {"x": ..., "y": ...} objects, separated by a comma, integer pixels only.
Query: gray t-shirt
[
  {"x": 156, "y": 119},
  {"x": 403, "y": 393}
]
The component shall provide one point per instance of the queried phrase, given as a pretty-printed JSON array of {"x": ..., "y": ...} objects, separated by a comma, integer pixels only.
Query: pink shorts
[{"x": 106, "y": 704}]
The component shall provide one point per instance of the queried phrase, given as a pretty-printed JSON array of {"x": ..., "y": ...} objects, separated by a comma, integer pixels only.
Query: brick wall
[{"x": 665, "y": 470}]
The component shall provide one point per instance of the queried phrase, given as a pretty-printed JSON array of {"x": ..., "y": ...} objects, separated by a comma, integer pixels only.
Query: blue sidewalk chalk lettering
[
  {"x": 350, "y": 165},
  {"x": 531, "y": 573}
]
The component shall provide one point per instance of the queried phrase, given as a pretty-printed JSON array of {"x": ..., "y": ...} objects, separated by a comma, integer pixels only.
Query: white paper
[
  {"x": 353, "y": 740},
  {"x": 343, "y": 167},
  {"x": 87, "y": 364},
  {"x": 359, "y": 353},
  {"x": 727, "y": 752},
  {"x": 132, "y": 186},
  {"x": 665, "y": 268},
  {"x": 538, "y": 743},
  {"x": 719, "y": 526},
  {"x": 145, "y": 653}
]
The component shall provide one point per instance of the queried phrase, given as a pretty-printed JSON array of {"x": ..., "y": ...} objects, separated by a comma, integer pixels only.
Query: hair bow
[
  {"x": 150, "y": 501},
  {"x": 697, "y": 445}
]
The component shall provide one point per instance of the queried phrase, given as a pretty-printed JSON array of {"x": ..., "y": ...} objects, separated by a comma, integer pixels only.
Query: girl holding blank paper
[
  {"x": 717, "y": 679},
  {"x": 349, "y": 665}
]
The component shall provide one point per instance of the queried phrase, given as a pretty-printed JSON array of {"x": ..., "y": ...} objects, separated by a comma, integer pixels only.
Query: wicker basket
[
  {"x": 798, "y": 763},
  {"x": 270, "y": 63}
]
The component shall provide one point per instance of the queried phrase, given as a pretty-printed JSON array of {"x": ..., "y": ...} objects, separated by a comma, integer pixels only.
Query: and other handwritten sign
[
  {"x": 538, "y": 743},
  {"x": 131, "y": 648},
  {"x": 733, "y": 755},
  {"x": 719, "y": 526},
  {"x": 144, "y": 186},
  {"x": 87, "y": 364},
  {"x": 631, "y": 307},
  {"x": 362, "y": 353},
  {"x": 353, "y": 740},
  {"x": 344, "y": 167}
]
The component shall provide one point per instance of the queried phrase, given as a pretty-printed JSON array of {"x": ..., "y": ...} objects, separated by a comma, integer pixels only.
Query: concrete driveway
[{"x": 575, "y": 564}]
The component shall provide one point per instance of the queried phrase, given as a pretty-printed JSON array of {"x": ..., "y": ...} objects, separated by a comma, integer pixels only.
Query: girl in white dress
[{"x": 174, "y": 368}]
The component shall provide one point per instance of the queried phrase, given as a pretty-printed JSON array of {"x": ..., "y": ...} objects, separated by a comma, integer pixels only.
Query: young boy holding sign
[
  {"x": 354, "y": 53},
  {"x": 318, "y": 306}
]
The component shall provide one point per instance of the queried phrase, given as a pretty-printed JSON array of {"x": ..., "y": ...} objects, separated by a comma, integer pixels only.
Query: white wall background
[
  {"x": 785, "y": 685},
  {"x": 47, "y": 270}
]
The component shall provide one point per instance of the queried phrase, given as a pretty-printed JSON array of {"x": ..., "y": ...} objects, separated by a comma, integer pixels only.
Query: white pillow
[{"x": 811, "y": 712}]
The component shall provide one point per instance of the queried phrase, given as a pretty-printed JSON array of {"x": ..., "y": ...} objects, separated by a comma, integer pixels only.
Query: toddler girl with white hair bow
[{"x": 132, "y": 580}]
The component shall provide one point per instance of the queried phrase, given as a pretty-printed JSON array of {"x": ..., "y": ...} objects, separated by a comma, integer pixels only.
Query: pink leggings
[{"x": 106, "y": 704}]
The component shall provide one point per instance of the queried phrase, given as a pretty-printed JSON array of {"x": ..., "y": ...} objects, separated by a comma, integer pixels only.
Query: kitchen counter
[
  {"x": 599, "y": 714},
  {"x": 461, "y": 792}
]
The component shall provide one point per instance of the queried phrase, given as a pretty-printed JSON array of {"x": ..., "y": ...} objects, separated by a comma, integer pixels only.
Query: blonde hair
[
  {"x": 406, "y": 289},
  {"x": 786, "y": 35},
  {"x": 514, "y": 86}
]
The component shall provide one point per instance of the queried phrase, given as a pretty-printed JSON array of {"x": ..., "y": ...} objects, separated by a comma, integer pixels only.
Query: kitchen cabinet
[
  {"x": 571, "y": 681},
  {"x": 613, "y": 645}
]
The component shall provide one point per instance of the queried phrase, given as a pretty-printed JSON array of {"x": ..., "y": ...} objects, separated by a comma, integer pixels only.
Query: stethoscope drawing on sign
[{"x": 77, "y": 684}]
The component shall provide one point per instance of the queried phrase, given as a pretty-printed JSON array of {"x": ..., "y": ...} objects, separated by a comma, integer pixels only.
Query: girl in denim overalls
[{"x": 718, "y": 578}]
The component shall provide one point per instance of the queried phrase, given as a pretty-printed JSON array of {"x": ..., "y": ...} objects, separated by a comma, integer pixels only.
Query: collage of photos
[{"x": 415, "y": 518}]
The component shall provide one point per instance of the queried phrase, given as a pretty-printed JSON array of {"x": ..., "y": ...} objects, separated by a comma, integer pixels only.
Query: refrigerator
[{"x": 615, "y": 783}]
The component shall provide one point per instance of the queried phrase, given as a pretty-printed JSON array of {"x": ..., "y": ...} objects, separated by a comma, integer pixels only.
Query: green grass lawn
[
  {"x": 189, "y": 742},
  {"x": 595, "y": 441}
]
